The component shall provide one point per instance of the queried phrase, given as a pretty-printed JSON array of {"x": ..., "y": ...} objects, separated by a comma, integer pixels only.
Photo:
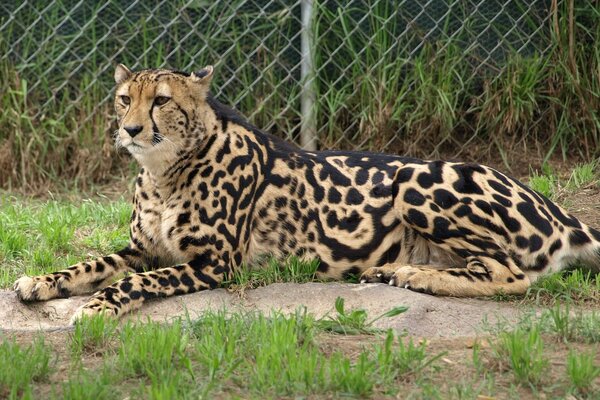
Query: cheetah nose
[{"x": 133, "y": 130}]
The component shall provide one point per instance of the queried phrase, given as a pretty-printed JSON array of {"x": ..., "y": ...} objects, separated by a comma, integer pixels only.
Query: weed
[
  {"x": 84, "y": 385},
  {"x": 582, "y": 371},
  {"x": 545, "y": 184},
  {"x": 355, "y": 321},
  {"x": 403, "y": 358},
  {"x": 583, "y": 175},
  {"x": 92, "y": 334},
  {"x": 21, "y": 366},
  {"x": 576, "y": 285},
  {"x": 523, "y": 350},
  {"x": 293, "y": 269},
  {"x": 153, "y": 350}
]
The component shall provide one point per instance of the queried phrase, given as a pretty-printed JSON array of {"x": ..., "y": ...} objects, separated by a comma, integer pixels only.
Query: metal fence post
[{"x": 308, "y": 128}]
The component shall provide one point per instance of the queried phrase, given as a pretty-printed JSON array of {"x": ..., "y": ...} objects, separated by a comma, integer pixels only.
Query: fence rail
[{"x": 397, "y": 75}]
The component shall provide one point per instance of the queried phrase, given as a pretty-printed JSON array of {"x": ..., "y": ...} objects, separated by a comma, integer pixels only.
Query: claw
[
  {"x": 379, "y": 275},
  {"x": 363, "y": 281},
  {"x": 391, "y": 282}
]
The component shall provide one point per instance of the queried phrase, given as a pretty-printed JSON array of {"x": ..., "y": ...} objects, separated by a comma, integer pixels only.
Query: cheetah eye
[
  {"x": 126, "y": 100},
  {"x": 161, "y": 100}
]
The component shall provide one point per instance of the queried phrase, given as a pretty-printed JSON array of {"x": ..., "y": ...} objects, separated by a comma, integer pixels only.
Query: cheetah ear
[
  {"x": 204, "y": 75},
  {"x": 122, "y": 73}
]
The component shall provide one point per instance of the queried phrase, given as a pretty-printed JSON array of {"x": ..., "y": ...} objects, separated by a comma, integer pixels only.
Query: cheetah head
[{"x": 160, "y": 112}]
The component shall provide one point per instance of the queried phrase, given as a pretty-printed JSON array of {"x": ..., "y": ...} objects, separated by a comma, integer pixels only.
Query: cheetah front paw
[
  {"x": 377, "y": 275},
  {"x": 39, "y": 288},
  {"x": 412, "y": 278},
  {"x": 92, "y": 308}
]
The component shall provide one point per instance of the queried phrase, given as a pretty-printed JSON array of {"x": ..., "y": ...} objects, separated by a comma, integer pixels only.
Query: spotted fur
[{"x": 214, "y": 192}]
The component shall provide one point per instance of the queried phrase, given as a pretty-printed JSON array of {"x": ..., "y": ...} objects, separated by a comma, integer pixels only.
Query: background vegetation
[{"x": 444, "y": 83}]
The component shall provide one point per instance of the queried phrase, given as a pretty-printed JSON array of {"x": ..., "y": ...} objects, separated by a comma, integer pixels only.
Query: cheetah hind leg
[{"x": 482, "y": 276}]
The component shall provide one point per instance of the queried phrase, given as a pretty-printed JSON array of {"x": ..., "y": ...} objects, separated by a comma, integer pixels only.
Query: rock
[{"x": 427, "y": 316}]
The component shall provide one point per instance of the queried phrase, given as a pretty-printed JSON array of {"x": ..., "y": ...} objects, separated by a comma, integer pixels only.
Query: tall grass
[{"x": 385, "y": 79}]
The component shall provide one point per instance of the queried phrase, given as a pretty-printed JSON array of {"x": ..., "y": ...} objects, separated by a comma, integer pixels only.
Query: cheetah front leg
[
  {"x": 81, "y": 278},
  {"x": 482, "y": 276},
  {"x": 129, "y": 293}
]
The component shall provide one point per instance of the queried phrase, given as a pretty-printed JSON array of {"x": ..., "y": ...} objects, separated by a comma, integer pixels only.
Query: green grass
[
  {"x": 582, "y": 370},
  {"x": 580, "y": 286},
  {"x": 240, "y": 354},
  {"x": 38, "y": 237},
  {"x": 545, "y": 183},
  {"x": 22, "y": 366},
  {"x": 524, "y": 353},
  {"x": 253, "y": 355},
  {"x": 271, "y": 271},
  {"x": 92, "y": 334}
]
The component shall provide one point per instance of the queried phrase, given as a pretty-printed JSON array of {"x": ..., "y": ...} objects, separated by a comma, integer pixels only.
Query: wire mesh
[{"x": 359, "y": 52}]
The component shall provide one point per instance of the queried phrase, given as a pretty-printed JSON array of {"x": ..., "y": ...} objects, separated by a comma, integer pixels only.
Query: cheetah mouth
[{"x": 134, "y": 148}]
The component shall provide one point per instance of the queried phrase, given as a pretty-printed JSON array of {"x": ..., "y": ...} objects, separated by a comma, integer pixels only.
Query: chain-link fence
[{"x": 378, "y": 74}]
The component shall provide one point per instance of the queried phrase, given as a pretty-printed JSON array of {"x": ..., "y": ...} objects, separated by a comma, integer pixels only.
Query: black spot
[
  {"x": 99, "y": 266},
  {"x": 511, "y": 223},
  {"x": 541, "y": 262},
  {"x": 186, "y": 280},
  {"x": 381, "y": 191},
  {"x": 465, "y": 182},
  {"x": 445, "y": 199},
  {"x": 578, "y": 238},
  {"x": 462, "y": 211},
  {"x": 462, "y": 274},
  {"x": 183, "y": 218},
  {"x": 425, "y": 180},
  {"x": 126, "y": 287},
  {"x": 323, "y": 267},
  {"x": 163, "y": 281},
  {"x": 555, "y": 246},
  {"x": 502, "y": 200},
  {"x": 334, "y": 196},
  {"x": 500, "y": 188},
  {"x": 280, "y": 202},
  {"x": 206, "y": 171},
  {"x": 418, "y": 218},
  {"x": 414, "y": 197},
  {"x": 534, "y": 218},
  {"x": 173, "y": 281},
  {"x": 134, "y": 295},
  {"x": 484, "y": 206},
  {"x": 522, "y": 242},
  {"x": 361, "y": 176},
  {"x": 354, "y": 197},
  {"x": 535, "y": 243},
  {"x": 595, "y": 234},
  {"x": 377, "y": 178},
  {"x": 404, "y": 175},
  {"x": 510, "y": 279}
]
